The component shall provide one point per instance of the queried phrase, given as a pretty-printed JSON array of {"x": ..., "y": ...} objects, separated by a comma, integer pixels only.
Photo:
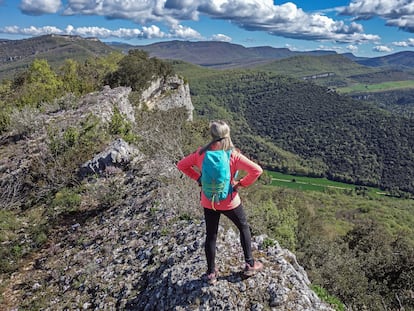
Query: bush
[
  {"x": 137, "y": 70},
  {"x": 4, "y": 119},
  {"x": 25, "y": 121},
  {"x": 277, "y": 222},
  {"x": 325, "y": 296},
  {"x": 122, "y": 127},
  {"x": 67, "y": 199}
]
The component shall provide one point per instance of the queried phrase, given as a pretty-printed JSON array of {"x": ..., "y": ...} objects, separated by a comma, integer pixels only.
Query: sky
[{"x": 366, "y": 28}]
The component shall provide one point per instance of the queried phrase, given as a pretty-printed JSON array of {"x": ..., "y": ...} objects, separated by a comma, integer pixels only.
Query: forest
[{"x": 338, "y": 137}]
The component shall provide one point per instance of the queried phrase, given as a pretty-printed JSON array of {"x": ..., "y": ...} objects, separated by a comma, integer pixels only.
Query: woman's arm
[
  {"x": 252, "y": 169},
  {"x": 187, "y": 164}
]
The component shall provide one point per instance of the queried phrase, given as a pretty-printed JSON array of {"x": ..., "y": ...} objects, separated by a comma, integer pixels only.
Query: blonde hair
[{"x": 220, "y": 132}]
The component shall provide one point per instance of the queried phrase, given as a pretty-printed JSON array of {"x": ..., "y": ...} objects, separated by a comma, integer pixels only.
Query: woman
[{"x": 231, "y": 207}]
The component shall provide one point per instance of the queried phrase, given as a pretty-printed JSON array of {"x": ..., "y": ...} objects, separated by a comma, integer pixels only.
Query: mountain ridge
[
  {"x": 232, "y": 52},
  {"x": 207, "y": 53},
  {"x": 16, "y": 55}
]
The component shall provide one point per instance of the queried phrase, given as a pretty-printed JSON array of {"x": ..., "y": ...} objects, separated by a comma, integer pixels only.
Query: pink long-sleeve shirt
[{"x": 191, "y": 166}]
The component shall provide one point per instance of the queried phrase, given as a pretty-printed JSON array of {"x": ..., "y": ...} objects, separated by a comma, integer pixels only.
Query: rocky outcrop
[
  {"x": 168, "y": 93},
  {"x": 17, "y": 155},
  {"x": 139, "y": 253},
  {"x": 135, "y": 240},
  {"x": 118, "y": 154}
]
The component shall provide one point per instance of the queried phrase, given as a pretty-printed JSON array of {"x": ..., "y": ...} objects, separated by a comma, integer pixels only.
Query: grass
[
  {"x": 379, "y": 87},
  {"x": 316, "y": 184}
]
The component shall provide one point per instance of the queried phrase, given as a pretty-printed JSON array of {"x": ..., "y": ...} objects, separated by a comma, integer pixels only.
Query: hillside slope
[
  {"x": 396, "y": 60},
  {"x": 358, "y": 142},
  {"x": 125, "y": 233},
  {"x": 16, "y": 55},
  {"x": 216, "y": 54}
]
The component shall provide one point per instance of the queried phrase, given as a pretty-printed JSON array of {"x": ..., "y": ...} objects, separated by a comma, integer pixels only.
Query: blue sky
[{"x": 364, "y": 27}]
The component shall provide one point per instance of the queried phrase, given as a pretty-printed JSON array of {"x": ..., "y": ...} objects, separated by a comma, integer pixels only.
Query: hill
[
  {"x": 216, "y": 54},
  {"x": 330, "y": 70},
  {"x": 339, "y": 137},
  {"x": 106, "y": 224},
  {"x": 326, "y": 68},
  {"x": 16, "y": 55},
  {"x": 396, "y": 60}
]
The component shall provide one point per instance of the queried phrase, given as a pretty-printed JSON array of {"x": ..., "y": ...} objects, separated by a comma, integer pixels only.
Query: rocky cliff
[
  {"x": 168, "y": 93},
  {"x": 135, "y": 239}
]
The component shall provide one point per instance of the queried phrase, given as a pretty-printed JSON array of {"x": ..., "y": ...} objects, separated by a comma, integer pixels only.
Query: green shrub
[
  {"x": 71, "y": 136},
  {"x": 25, "y": 121},
  {"x": 268, "y": 243},
  {"x": 278, "y": 222},
  {"x": 39, "y": 84},
  {"x": 67, "y": 198},
  {"x": 10, "y": 249},
  {"x": 122, "y": 127},
  {"x": 326, "y": 297},
  {"x": 137, "y": 70},
  {"x": 4, "y": 119}
]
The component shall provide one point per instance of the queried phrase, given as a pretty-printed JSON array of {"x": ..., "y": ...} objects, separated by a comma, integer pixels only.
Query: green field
[
  {"x": 315, "y": 184},
  {"x": 379, "y": 87}
]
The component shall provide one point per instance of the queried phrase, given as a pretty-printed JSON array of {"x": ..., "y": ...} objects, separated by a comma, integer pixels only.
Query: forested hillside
[
  {"x": 397, "y": 60},
  {"x": 17, "y": 55},
  {"x": 341, "y": 138},
  {"x": 399, "y": 102},
  {"x": 219, "y": 55}
]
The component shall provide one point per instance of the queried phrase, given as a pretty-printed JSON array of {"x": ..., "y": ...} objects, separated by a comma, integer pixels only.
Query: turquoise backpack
[{"x": 215, "y": 175}]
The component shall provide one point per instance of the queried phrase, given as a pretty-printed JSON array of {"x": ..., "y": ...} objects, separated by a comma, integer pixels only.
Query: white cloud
[
  {"x": 408, "y": 42},
  {"x": 382, "y": 48},
  {"x": 153, "y": 31},
  {"x": 352, "y": 48},
  {"x": 400, "y": 44},
  {"x": 39, "y": 7},
  {"x": 291, "y": 47},
  {"x": 179, "y": 31},
  {"x": 141, "y": 12},
  {"x": 221, "y": 37},
  {"x": 31, "y": 31},
  {"x": 398, "y": 13},
  {"x": 285, "y": 20},
  {"x": 369, "y": 8}
]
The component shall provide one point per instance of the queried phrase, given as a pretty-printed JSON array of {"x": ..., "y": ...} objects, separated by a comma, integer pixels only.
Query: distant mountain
[
  {"x": 336, "y": 66},
  {"x": 400, "y": 59},
  {"x": 16, "y": 55},
  {"x": 216, "y": 54},
  {"x": 228, "y": 55},
  {"x": 353, "y": 57}
]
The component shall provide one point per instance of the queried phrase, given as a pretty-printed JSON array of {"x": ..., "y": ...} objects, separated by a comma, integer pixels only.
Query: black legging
[{"x": 238, "y": 217}]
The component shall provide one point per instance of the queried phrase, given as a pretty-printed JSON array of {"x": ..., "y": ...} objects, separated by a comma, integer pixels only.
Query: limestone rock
[
  {"x": 168, "y": 93},
  {"x": 117, "y": 155}
]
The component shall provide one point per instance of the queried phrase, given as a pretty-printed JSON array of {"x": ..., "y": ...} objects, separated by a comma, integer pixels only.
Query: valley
[{"x": 320, "y": 184}]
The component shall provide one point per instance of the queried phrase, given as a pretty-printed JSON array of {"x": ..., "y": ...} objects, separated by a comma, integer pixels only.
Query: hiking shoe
[
  {"x": 212, "y": 277},
  {"x": 251, "y": 270}
]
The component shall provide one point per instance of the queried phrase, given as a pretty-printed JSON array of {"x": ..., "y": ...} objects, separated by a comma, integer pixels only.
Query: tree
[
  {"x": 69, "y": 73},
  {"x": 39, "y": 84},
  {"x": 137, "y": 70}
]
